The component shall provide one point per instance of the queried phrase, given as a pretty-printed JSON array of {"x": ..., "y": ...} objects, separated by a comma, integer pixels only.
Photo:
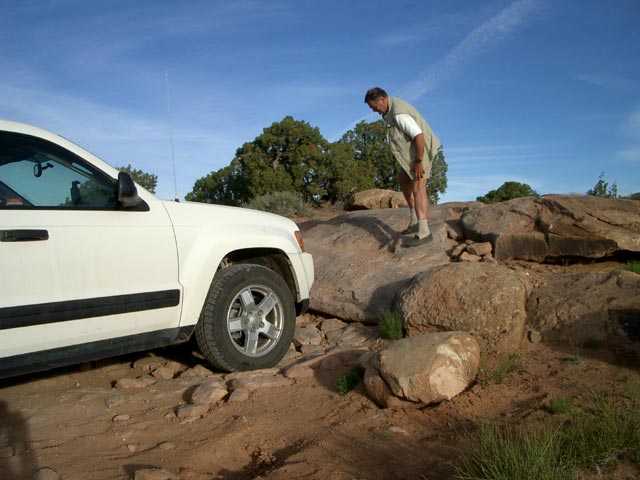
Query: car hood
[{"x": 185, "y": 214}]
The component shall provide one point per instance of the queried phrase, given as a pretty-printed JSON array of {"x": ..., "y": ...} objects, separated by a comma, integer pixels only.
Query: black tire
[{"x": 248, "y": 320}]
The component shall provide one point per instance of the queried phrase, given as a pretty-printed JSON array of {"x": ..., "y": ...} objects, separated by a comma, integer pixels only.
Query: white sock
[
  {"x": 414, "y": 217},
  {"x": 423, "y": 229}
]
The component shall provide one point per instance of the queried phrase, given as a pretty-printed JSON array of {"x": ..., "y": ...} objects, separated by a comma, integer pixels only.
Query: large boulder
[
  {"x": 556, "y": 226},
  {"x": 423, "y": 370},
  {"x": 577, "y": 309},
  {"x": 377, "y": 198},
  {"x": 485, "y": 299}
]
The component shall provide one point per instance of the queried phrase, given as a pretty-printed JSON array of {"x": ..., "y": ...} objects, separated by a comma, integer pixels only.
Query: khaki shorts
[{"x": 408, "y": 168}]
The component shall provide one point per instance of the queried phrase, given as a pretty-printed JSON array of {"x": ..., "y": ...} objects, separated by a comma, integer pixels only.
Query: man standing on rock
[{"x": 414, "y": 146}]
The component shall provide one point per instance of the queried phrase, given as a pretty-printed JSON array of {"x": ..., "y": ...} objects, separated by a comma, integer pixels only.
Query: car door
[{"x": 79, "y": 272}]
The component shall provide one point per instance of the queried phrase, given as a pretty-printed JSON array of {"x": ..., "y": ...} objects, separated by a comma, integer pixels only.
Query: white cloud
[
  {"x": 608, "y": 81},
  {"x": 631, "y": 155},
  {"x": 482, "y": 39},
  {"x": 632, "y": 124},
  {"x": 630, "y": 129}
]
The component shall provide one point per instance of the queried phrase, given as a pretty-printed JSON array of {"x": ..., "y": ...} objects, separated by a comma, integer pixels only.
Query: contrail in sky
[{"x": 477, "y": 42}]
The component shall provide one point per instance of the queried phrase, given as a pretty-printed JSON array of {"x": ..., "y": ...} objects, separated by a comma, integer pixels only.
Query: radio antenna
[{"x": 173, "y": 159}]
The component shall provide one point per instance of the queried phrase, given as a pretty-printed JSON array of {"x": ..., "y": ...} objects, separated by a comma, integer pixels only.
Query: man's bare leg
[
  {"x": 419, "y": 190},
  {"x": 406, "y": 187}
]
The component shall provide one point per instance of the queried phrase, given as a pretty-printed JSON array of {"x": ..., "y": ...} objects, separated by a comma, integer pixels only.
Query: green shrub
[
  {"x": 287, "y": 204},
  {"x": 349, "y": 380},
  {"x": 633, "y": 266},
  {"x": 390, "y": 325}
]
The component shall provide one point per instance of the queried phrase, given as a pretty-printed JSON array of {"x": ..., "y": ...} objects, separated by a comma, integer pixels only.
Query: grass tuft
[
  {"x": 513, "y": 454},
  {"x": 598, "y": 436},
  {"x": 560, "y": 405},
  {"x": 633, "y": 266},
  {"x": 588, "y": 441},
  {"x": 349, "y": 380},
  {"x": 390, "y": 325},
  {"x": 487, "y": 376}
]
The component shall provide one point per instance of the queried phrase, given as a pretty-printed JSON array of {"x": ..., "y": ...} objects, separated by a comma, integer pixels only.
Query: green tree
[
  {"x": 146, "y": 180},
  {"x": 602, "y": 189},
  {"x": 225, "y": 187},
  {"x": 346, "y": 174},
  {"x": 289, "y": 156},
  {"x": 508, "y": 191},
  {"x": 370, "y": 149},
  {"x": 438, "y": 179}
]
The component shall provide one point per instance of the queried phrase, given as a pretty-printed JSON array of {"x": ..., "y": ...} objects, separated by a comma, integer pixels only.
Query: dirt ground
[
  {"x": 66, "y": 420},
  {"x": 60, "y": 420}
]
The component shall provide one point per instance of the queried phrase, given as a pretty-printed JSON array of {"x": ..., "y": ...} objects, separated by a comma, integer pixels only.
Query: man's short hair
[{"x": 374, "y": 93}]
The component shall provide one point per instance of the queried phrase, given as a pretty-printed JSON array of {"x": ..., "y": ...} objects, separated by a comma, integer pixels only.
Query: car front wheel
[{"x": 248, "y": 319}]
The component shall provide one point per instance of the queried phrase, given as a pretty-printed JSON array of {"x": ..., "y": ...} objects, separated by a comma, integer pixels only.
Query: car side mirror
[{"x": 127, "y": 191}]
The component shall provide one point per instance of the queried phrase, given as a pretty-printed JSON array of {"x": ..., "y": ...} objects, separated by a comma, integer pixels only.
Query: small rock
[
  {"x": 455, "y": 232},
  {"x": 331, "y": 324},
  {"x": 457, "y": 251},
  {"x": 121, "y": 418},
  {"x": 191, "y": 411},
  {"x": 480, "y": 248},
  {"x": 398, "y": 430},
  {"x": 240, "y": 395},
  {"x": 209, "y": 392},
  {"x": 298, "y": 371},
  {"x": 164, "y": 373},
  {"x": 153, "y": 474},
  {"x": 197, "y": 371},
  {"x": 46, "y": 473},
  {"x": 131, "y": 383},
  {"x": 265, "y": 372},
  {"x": 535, "y": 336},
  {"x": 147, "y": 364},
  {"x": 312, "y": 349},
  {"x": 307, "y": 335},
  {"x": 253, "y": 383},
  {"x": 113, "y": 400},
  {"x": 467, "y": 257}
]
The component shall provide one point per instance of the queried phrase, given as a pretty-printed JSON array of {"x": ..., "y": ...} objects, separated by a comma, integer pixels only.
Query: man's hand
[{"x": 419, "y": 171}]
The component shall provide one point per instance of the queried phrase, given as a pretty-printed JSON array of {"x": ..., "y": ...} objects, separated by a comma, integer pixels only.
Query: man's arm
[{"x": 410, "y": 127}]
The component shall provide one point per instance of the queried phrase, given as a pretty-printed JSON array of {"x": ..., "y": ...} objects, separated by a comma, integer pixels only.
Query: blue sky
[{"x": 542, "y": 92}]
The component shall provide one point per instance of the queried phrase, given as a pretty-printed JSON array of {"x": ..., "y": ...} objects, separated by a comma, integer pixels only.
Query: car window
[{"x": 38, "y": 174}]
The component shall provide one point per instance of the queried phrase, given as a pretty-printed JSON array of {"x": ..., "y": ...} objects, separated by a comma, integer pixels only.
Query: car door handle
[{"x": 23, "y": 235}]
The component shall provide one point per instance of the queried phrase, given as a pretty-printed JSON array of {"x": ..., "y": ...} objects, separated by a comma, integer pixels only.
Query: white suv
[{"x": 95, "y": 266}]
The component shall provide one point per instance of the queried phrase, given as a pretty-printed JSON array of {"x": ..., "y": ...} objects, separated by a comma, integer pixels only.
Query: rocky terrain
[{"x": 543, "y": 279}]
